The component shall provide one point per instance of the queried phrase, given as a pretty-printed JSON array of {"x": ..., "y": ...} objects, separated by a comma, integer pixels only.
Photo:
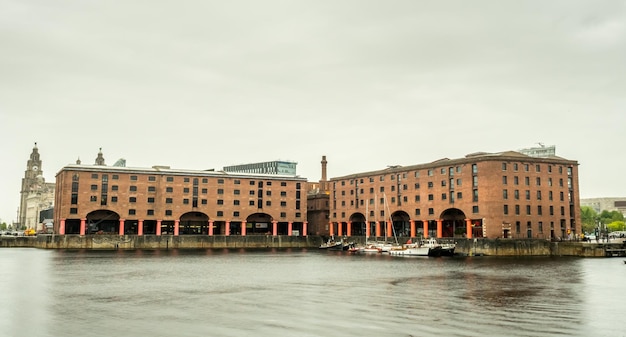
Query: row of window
[
  {"x": 526, "y": 168},
  {"x": 168, "y": 212},
  {"x": 516, "y": 195},
  {"x": 186, "y": 179},
  {"x": 151, "y": 200},
  {"x": 186, "y": 190},
  {"x": 529, "y": 210},
  {"x": 505, "y": 181}
]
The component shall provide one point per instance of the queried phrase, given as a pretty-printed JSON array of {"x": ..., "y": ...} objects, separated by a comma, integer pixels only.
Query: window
[
  {"x": 444, "y": 196},
  {"x": 527, "y": 209},
  {"x": 515, "y": 167},
  {"x": 133, "y": 188},
  {"x": 475, "y": 181},
  {"x": 252, "y": 183},
  {"x": 431, "y": 197},
  {"x": 186, "y": 190},
  {"x": 474, "y": 168},
  {"x": 73, "y": 210},
  {"x": 169, "y": 200},
  {"x": 539, "y": 211},
  {"x": 505, "y": 194},
  {"x": 94, "y": 187},
  {"x": 268, "y": 203},
  {"x": 133, "y": 178},
  {"x": 527, "y": 194},
  {"x": 516, "y": 209},
  {"x": 417, "y": 186},
  {"x": 220, "y": 213},
  {"x": 115, "y": 177},
  {"x": 113, "y": 199},
  {"x": 251, "y": 193},
  {"x": 474, "y": 209},
  {"x": 417, "y": 198},
  {"x": 251, "y": 203},
  {"x": 527, "y": 181},
  {"x": 431, "y": 211},
  {"x": 114, "y": 188},
  {"x": 220, "y": 191},
  {"x": 150, "y": 212},
  {"x": 151, "y": 178},
  {"x": 186, "y": 180},
  {"x": 132, "y": 199},
  {"x": 503, "y": 166},
  {"x": 506, "y": 209},
  {"x": 430, "y": 173},
  {"x": 236, "y": 192},
  {"x": 93, "y": 198},
  {"x": 169, "y": 179},
  {"x": 538, "y": 195},
  {"x": 185, "y": 201},
  {"x": 169, "y": 189},
  {"x": 417, "y": 211},
  {"x": 504, "y": 180},
  {"x": 131, "y": 212},
  {"x": 283, "y": 214},
  {"x": 538, "y": 168},
  {"x": 515, "y": 180},
  {"x": 526, "y": 167},
  {"x": 459, "y": 195},
  {"x": 475, "y": 196},
  {"x": 168, "y": 212},
  {"x": 516, "y": 194},
  {"x": 151, "y": 189},
  {"x": 151, "y": 200},
  {"x": 443, "y": 171},
  {"x": 94, "y": 176},
  {"x": 205, "y": 180},
  {"x": 430, "y": 184}
]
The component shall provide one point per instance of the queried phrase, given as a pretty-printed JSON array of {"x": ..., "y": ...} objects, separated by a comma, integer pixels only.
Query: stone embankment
[{"x": 465, "y": 247}]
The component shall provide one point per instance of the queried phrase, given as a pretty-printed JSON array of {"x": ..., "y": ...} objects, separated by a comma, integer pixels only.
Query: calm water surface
[{"x": 305, "y": 293}]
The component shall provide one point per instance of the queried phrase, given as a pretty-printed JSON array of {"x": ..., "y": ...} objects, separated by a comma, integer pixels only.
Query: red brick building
[
  {"x": 160, "y": 200},
  {"x": 494, "y": 195}
]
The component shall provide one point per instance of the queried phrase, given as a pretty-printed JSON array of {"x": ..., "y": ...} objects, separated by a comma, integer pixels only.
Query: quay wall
[{"x": 468, "y": 247}]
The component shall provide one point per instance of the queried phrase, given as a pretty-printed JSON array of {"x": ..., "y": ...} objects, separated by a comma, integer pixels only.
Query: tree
[
  {"x": 616, "y": 226},
  {"x": 607, "y": 217},
  {"x": 3, "y": 226},
  {"x": 589, "y": 218}
]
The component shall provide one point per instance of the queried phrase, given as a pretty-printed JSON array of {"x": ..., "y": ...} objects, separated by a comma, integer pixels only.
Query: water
[{"x": 305, "y": 293}]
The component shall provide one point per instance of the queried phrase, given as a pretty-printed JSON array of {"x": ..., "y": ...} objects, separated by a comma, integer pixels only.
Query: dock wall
[{"x": 469, "y": 247}]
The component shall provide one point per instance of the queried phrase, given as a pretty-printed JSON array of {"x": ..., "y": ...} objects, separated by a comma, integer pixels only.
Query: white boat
[
  {"x": 410, "y": 249},
  {"x": 439, "y": 249}
]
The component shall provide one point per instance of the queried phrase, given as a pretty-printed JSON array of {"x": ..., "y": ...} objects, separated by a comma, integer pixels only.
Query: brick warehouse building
[
  {"x": 494, "y": 195},
  {"x": 160, "y": 200}
]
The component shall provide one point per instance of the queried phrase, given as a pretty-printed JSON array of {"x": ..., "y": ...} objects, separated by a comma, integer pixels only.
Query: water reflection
[{"x": 303, "y": 293}]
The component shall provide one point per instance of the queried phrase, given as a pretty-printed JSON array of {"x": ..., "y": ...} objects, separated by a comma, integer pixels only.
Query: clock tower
[{"x": 31, "y": 182}]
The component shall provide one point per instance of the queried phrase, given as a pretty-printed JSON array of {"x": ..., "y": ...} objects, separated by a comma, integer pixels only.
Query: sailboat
[
  {"x": 386, "y": 246},
  {"x": 368, "y": 247}
]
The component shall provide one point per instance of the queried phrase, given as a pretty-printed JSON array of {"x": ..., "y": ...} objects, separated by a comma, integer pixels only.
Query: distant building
[
  {"x": 278, "y": 167},
  {"x": 161, "y": 200},
  {"x": 495, "y": 195},
  {"x": 605, "y": 204},
  {"x": 318, "y": 206},
  {"x": 540, "y": 152},
  {"x": 36, "y": 195}
]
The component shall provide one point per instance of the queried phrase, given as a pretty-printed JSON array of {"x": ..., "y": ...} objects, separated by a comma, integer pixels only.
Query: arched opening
[
  {"x": 453, "y": 223},
  {"x": 193, "y": 223},
  {"x": 358, "y": 225},
  {"x": 401, "y": 224},
  {"x": 259, "y": 224},
  {"x": 102, "y": 222}
]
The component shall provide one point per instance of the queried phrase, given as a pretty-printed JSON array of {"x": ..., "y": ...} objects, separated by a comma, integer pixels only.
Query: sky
[{"x": 201, "y": 84}]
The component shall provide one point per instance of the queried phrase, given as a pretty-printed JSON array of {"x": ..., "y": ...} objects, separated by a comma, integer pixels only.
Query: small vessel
[
  {"x": 439, "y": 249},
  {"x": 331, "y": 244},
  {"x": 410, "y": 249}
]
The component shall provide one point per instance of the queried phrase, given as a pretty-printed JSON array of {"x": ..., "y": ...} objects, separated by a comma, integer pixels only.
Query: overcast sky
[{"x": 206, "y": 84}]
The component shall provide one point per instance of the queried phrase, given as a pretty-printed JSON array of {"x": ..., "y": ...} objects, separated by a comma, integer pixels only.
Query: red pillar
[
  {"x": 227, "y": 230},
  {"x": 210, "y": 227},
  {"x": 468, "y": 224},
  {"x": 412, "y": 222},
  {"x": 367, "y": 229},
  {"x": 140, "y": 227},
  {"x": 377, "y": 228},
  {"x": 439, "y": 228},
  {"x": 331, "y": 228},
  {"x": 339, "y": 228},
  {"x": 349, "y": 228},
  {"x": 121, "y": 227},
  {"x": 274, "y": 228},
  {"x": 243, "y": 228},
  {"x": 289, "y": 228},
  {"x": 389, "y": 228},
  {"x": 425, "y": 222},
  {"x": 62, "y": 227},
  {"x": 82, "y": 226},
  {"x": 176, "y": 227},
  {"x": 304, "y": 228},
  {"x": 158, "y": 229}
]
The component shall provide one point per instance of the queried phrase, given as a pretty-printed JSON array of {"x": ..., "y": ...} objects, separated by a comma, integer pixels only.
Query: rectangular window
[
  {"x": 73, "y": 210},
  {"x": 539, "y": 210},
  {"x": 417, "y": 211},
  {"x": 505, "y": 194},
  {"x": 168, "y": 212},
  {"x": 169, "y": 189},
  {"x": 205, "y": 180},
  {"x": 528, "y": 210},
  {"x": 132, "y": 199},
  {"x": 133, "y": 188},
  {"x": 516, "y": 209},
  {"x": 94, "y": 187},
  {"x": 503, "y": 166},
  {"x": 169, "y": 200},
  {"x": 115, "y": 177},
  {"x": 474, "y": 168},
  {"x": 150, "y": 212},
  {"x": 151, "y": 178},
  {"x": 131, "y": 212},
  {"x": 151, "y": 200},
  {"x": 94, "y": 176},
  {"x": 186, "y": 190},
  {"x": 186, "y": 201},
  {"x": 186, "y": 180},
  {"x": 169, "y": 179},
  {"x": 506, "y": 209},
  {"x": 114, "y": 188},
  {"x": 504, "y": 180},
  {"x": 475, "y": 181},
  {"x": 113, "y": 199},
  {"x": 475, "y": 209},
  {"x": 133, "y": 178},
  {"x": 475, "y": 196},
  {"x": 220, "y": 191},
  {"x": 151, "y": 189},
  {"x": 93, "y": 198}
]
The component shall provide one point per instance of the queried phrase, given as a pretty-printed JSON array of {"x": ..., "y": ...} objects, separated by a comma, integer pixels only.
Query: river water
[{"x": 305, "y": 293}]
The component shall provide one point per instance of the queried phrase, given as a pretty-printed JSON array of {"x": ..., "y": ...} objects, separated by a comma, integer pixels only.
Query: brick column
[
  {"x": 468, "y": 224},
  {"x": 439, "y": 228},
  {"x": 62, "y": 227},
  {"x": 425, "y": 222},
  {"x": 82, "y": 226},
  {"x": 227, "y": 229},
  {"x": 275, "y": 228},
  {"x": 210, "y": 227},
  {"x": 158, "y": 227},
  {"x": 349, "y": 228},
  {"x": 289, "y": 228},
  {"x": 378, "y": 228},
  {"x": 339, "y": 228},
  {"x": 243, "y": 228},
  {"x": 176, "y": 227},
  {"x": 140, "y": 227},
  {"x": 304, "y": 228},
  {"x": 121, "y": 232},
  {"x": 412, "y": 222},
  {"x": 331, "y": 229},
  {"x": 389, "y": 228}
]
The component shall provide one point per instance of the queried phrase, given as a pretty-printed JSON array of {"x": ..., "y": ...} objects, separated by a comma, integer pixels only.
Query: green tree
[
  {"x": 3, "y": 226},
  {"x": 616, "y": 226},
  {"x": 589, "y": 218},
  {"x": 607, "y": 217}
]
